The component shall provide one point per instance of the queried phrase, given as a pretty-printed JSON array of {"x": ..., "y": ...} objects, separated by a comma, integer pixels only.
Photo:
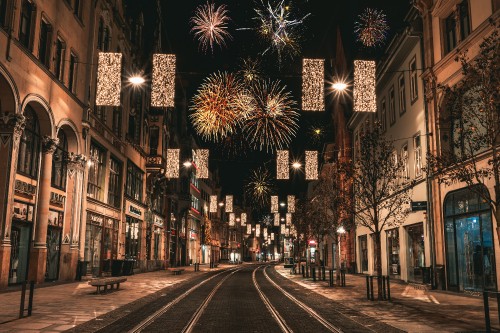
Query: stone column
[
  {"x": 11, "y": 128},
  {"x": 38, "y": 255}
]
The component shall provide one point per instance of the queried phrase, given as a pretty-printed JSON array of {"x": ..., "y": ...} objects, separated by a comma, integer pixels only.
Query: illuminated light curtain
[
  {"x": 200, "y": 158},
  {"x": 274, "y": 204},
  {"x": 282, "y": 229},
  {"x": 282, "y": 162},
  {"x": 229, "y": 203},
  {"x": 291, "y": 203},
  {"x": 313, "y": 86},
  {"x": 243, "y": 218},
  {"x": 365, "y": 99},
  {"x": 109, "y": 79},
  {"x": 288, "y": 219},
  {"x": 272, "y": 236},
  {"x": 249, "y": 229},
  {"x": 173, "y": 157},
  {"x": 311, "y": 164},
  {"x": 276, "y": 219},
  {"x": 163, "y": 83},
  {"x": 257, "y": 230},
  {"x": 231, "y": 219},
  {"x": 213, "y": 204},
  {"x": 265, "y": 233},
  {"x": 287, "y": 232}
]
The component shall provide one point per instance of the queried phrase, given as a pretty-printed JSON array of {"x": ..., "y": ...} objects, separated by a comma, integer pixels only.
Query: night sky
[{"x": 319, "y": 32}]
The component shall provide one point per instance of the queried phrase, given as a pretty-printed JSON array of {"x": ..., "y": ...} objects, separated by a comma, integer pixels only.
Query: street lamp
[
  {"x": 282, "y": 204},
  {"x": 339, "y": 86},
  {"x": 296, "y": 165},
  {"x": 187, "y": 164},
  {"x": 136, "y": 80}
]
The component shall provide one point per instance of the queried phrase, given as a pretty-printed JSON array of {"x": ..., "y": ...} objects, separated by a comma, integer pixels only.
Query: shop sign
[
  {"x": 23, "y": 211},
  {"x": 134, "y": 210},
  {"x": 24, "y": 188},
  {"x": 95, "y": 219},
  {"x": 55, "y": 218},
  {"x": 193, "y": 234},
  {"x": 158, "y": 221},
  {"x": 418, "y": 205},
  {"x": 57, "y": 199}
]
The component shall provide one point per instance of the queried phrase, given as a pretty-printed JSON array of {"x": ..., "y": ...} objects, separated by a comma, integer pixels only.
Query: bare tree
[
  {"x": 381, "y": 193},
  {"x": 470, "y": 147}
]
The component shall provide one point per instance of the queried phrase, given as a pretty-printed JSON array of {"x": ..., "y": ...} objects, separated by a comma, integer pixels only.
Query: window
[
  {"x": 114, "y": 193},
  {"x": 100, "y": 112},
  {"x": 44, "y": 50},
  {"x": 450, "y": 34},
  {"x": 404, "y": 160},
  {"x": 392, "y": 106},
  {"x": 73, "y": 71},
  {"x": 117, "y": 121},
  {"x": 59, "y": 163},
  {"x": 96, "y": 172},
  {"x": 134, "y": 123},
  {"x": 106, "y": 39},
  {"x": 134, "y": 181},
  {"x": 417, "y": 146},
  {"x": 463, "y": 12},
  {"x": 3, "y": 13},
  {"x": 383, "y": 116},
  {"x": 402, "y": 95},
  {"x": 26, "y": 24},
  {"x": 29, "y": 145},
  {"x": 413, "y": 80},
  {"x": 363, "y": 252},
  {"x": 195, "y": 203},
  {"x": 59, "y": 58},
  {"x": 100, "y": 35},
  {"x": 77, "y": 9},
  {"x": 132, "y": 238},
  {"x": 393, "y": 252},
  {"x": 154, "y": 133}
]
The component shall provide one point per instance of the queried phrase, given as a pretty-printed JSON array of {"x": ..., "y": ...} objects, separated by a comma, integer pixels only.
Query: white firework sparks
[
  {"x": 372, "y": 27},
  {"x": 210, "y": 26}
]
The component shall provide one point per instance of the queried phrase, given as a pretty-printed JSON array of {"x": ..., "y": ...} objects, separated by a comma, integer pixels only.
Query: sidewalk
[
  {"x": 412, "y": 308},
  {"x": 63, "y": 306}
]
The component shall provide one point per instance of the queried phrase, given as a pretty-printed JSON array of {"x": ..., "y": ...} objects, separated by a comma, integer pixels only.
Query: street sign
[{"x": 418, "y": 205}]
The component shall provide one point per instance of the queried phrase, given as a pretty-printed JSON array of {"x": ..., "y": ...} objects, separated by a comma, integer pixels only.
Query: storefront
[
  {"x": 137, "y": 236},
  {"x": 470, "y": 257},
  {"x": 54, "y": 233},
  {"x": 415, "y": 254},
  {"x": 157, "y": 238},
  {"x": 20, "y": 236},
  {"x": 393, "y": 258},
  {"x": 101, "y": 243}
]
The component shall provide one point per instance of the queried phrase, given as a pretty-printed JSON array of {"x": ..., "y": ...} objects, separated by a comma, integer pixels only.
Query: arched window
[
  {"x": 29, "y": 146},
  {"x": 106, "y": 39},
  {"x": 59, "y": 164},
  {"x": 100, "y": 34}
]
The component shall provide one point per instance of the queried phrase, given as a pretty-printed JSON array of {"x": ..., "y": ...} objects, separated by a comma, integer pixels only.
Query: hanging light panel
[
  {"x": 163, "y": 84},
  {"x": 313, "y": 86},
  {"x": 364, "y": 86},
  {"x": 276, "y": 219},
  {"x": 173, "y": 156},
  {"x": 231, "y": 219},
  {"x": 229, "y": 203},
  {"x": 200, "y": 157},
  {"x": 291, "y": 203},
  {"x": 213, "y": 204},
  {"x": 249, "y": 229},
  {"x": 109, "y": 79},
  {"x": 243, "y": 219},
  {"x": 282, "y": 162},
  {"x": 274, "y": 204},
  {"x": 282, "y": 229},
  {"x": 311, "y": 164},
  {"x": 272, "y": 236},
  {"x": 265, "y": 233},
  {"x": 257, "y": 230}
]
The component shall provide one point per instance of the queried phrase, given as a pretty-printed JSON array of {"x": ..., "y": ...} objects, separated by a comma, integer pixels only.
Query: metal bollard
[
  {"x": 371, "y": 288},
  {"x": 388, "y": 289},
  {"x": 313, "y": 272},
  {"x": 486, "y": 311},
  {"x": 23, "y": 296},
  {"x": 367, "y": 287},
  {"x": 331, "y": 278},
  {"x": 383, "y": 288},
  {"x": 323, "y": 273},
  {"x": 303, "y": 271}
]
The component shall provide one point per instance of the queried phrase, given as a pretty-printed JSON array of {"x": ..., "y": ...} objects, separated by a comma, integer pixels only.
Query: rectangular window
[
  {"x": 417, "y": 146},
  {"x": 73, "y": 71},
  {"x": 383, "y": 116},
  {"x": 97, "y": 167},
  {"x": 393, "y": 252},
  {"x": 363, "y": 252},
  {"x": 154, "y": 134},
  {"x": 402, "y": 95},
  {"x": 3, "y": 13},
  {"x": 26, "y": 24},
  {"x": 117, "y": 121},
  {"x": 44, "y": 50},
  {"x": 392, "y": 106},
  {"x": 404, "y": 159},
  {"x": 132, "y": 238},
  {"x": 134, "y": 181},
  {"x": 464, "y": 19},
  {"x": 77, "y": 10},
  {"x": 450, "y": 33},
  {"x": 100, "y": 112},
  {"x": 114, "y": 188},
  {"x": 413, "y": 80},
  {"x": 59, "y": 58}
]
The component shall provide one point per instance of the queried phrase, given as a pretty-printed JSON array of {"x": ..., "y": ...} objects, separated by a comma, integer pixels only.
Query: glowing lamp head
[
  {"x": 221, "y": 204},
  {"x": 187, "y": 164},
  {"x": 339, "y": 86},
  {"x": 136, "y": 80},
  {"x": 296, "y": 165},
  {"x": 341, "y": 230},
  {"x": 282, "y": 204}
]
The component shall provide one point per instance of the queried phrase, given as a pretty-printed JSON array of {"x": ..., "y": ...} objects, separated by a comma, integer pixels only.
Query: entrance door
[
  {"x": 53, "y": 253},
  {"x": 19, "y": 255},
  {"x": 93, "y": 249},
  {"x": 415, "y": 252}
]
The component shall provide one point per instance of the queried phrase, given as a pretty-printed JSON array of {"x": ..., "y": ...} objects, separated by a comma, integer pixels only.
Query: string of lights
[
  {"x": 313, "y": 84},
  {"x": 109, "y": 82},
  {"x": 173, "y": 160},
  {"x": 163, "y": 84},
  {"x": 213, "y": 204},
  {"x": 274, "y": 204},
  {"x": 364, "y": 95},
  {"x": 229, "y": 203},
  {"x": 282, "y": 164},
  {"x": 291, "y": 203}
]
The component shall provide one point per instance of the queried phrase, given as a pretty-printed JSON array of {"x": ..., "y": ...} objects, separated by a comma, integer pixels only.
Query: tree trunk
[{"x": 378, "y": 263}]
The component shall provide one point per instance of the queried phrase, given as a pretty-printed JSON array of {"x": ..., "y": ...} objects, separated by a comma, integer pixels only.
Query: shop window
[
  {"x": 393, "y": 252},
  {"x": 44, "y": 50},
  {"x": 29, "y": 146},
  {"x": 134, "y": 181},
  {"x": 26, "y": 22},
  {"x": 73, "y": 72},
  {"x": 415, "y": 252},
  {"x": 463, "y": 12},
  {"x": 132, "y": 238},
  {"x": 114, "y": 186},
  {"x": 450, "y": 33},
  {"x": 363, "y": 252},
  {"x": 59, "y": 162},
  {"x": 96, "y": 172},
  {"x": 417, "y": 154},
  {"x": 402, "y": 94},
  {"x": 413, "y": 80},
  {"x": 60, "y": 58},
  {"x": 392, "y": 106}
]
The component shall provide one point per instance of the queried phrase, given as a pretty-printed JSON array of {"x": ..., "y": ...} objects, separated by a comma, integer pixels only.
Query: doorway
[{"x": 53, "y": 253}]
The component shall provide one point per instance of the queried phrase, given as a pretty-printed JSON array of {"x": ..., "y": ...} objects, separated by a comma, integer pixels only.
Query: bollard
[
  {"x": 486, "y": 311},
  {"x": 331, "y": 277},
  {"x": 388, "y": 289},
  {"x": 313, "y": 272},
  {"x": 323, "y": 270},
  {"x": 367, "y": 288},
  {"x": 30, "y": 299},
  {"x": 303, "y": 271},
  {"x": 23, "y": 295},
  {"x": 371, "y": 288},
  {"x": 343, "y": 278},
  {"x": 383, "y": 288}
]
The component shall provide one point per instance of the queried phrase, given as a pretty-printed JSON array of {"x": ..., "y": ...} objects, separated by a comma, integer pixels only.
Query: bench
[
  {"x": 105, "y": 282},
  {"x": 177, "y": 271}
]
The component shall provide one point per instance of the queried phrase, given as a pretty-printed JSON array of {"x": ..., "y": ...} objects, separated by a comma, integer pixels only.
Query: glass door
[
  {"x": 19, "y": 255},
  {"x": 93, "y": 246},
  {"x": 53, "y": 253}
]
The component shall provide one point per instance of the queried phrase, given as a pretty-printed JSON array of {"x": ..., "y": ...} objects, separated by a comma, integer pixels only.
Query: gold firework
[
  {"x": 217, "y": 110},
  {"x": 250, "y": 70},
  {"x": 210, "y": 26},
  {"x": 271, "y": 117},
  {"x": 259, "y": 187}
]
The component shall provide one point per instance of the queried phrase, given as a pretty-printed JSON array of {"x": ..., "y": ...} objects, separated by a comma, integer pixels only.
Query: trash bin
[
  {"x": 128, "y": 267},
  {"x": 81, "y": 269},
  {"x": 116, "y": 267}
]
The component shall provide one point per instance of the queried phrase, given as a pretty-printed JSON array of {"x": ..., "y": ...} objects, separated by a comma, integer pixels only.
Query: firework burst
[
  {"x": 267, "y": 220},
  {"x": 210, "y": 26},
  {"x": 216, "y": 113},
  {"x": 271, "y": 117},
  {"x": 250, "y": 70},
  {"x": 259, "y": 187},
  {"x": 371, "y": 27}
]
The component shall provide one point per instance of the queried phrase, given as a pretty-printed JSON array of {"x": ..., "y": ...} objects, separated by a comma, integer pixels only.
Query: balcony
[{"x": 155, "y": 163}]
